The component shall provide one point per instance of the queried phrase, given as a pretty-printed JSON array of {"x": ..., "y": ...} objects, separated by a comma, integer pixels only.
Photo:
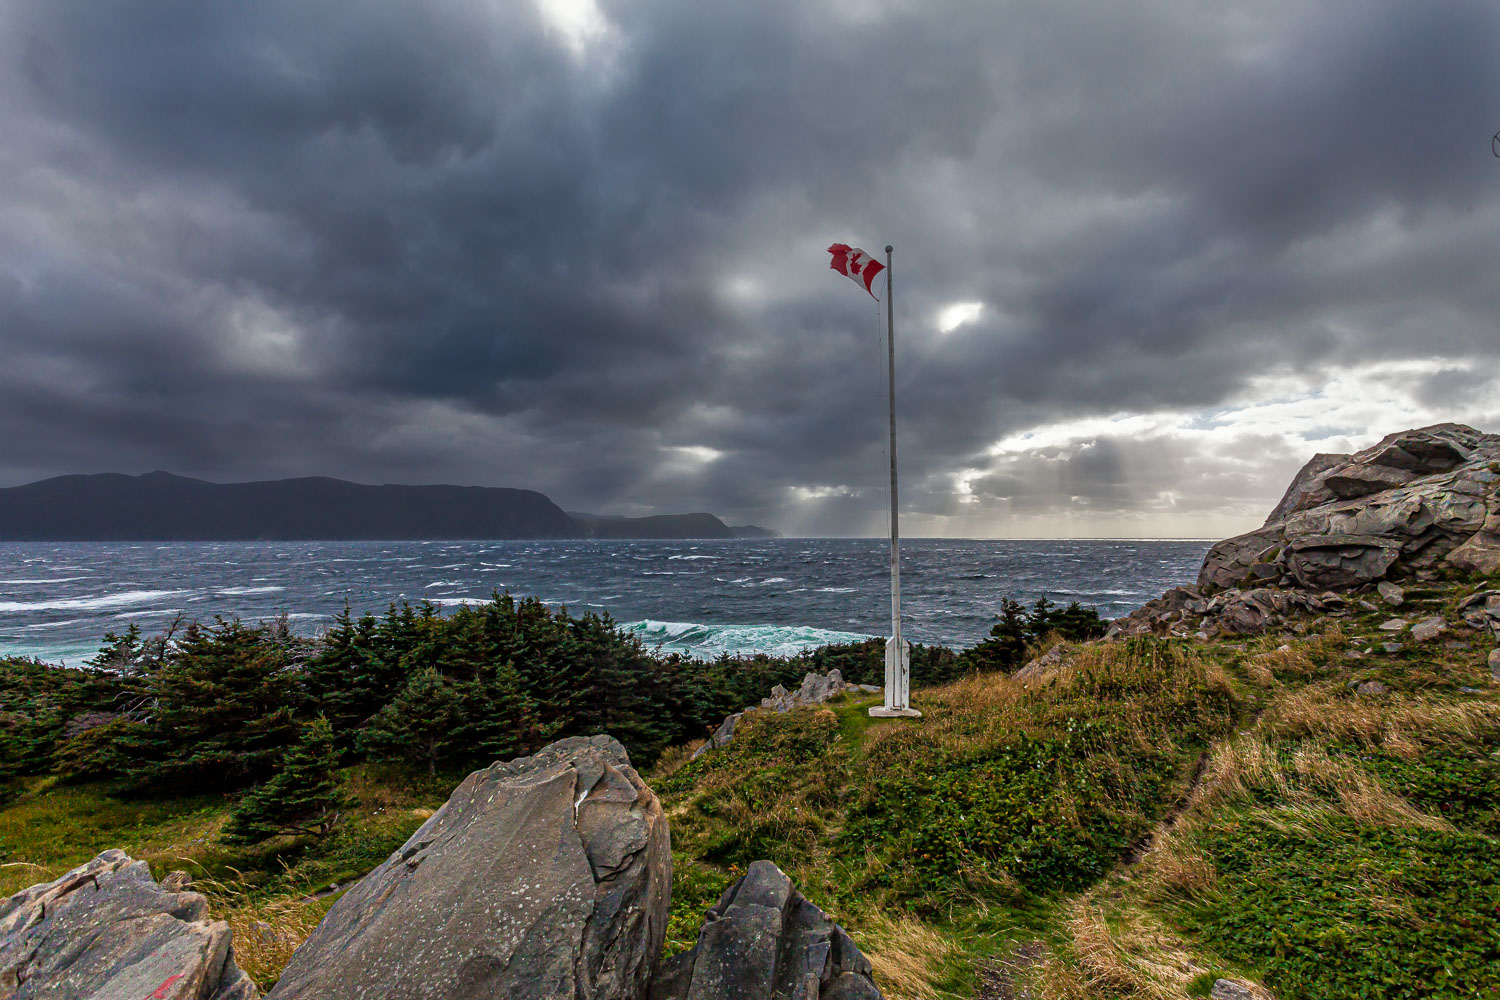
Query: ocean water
[{"x": 698, "y": 597}]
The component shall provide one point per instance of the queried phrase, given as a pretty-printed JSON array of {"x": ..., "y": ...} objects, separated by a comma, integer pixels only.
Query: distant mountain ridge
[{"x": 159, "y": 506}]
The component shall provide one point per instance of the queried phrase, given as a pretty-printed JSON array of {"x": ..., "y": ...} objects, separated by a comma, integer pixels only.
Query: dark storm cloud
[{"x": 451, "y": 241}]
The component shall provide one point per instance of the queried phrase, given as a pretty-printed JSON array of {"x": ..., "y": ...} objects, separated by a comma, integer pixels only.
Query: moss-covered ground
[{"x": 1151, "y": 816}]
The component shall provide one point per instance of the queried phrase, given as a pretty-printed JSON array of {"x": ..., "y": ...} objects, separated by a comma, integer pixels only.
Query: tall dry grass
[
  {"x": 1117, "y": 951},
  {"x": 910, "y": 958},
  {"x": 1402, "y": 726},
  {"x": 265, "y": 931}
]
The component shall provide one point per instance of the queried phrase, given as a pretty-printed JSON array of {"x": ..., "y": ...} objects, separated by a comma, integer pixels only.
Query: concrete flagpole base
[{"x": 897, "y": 680}]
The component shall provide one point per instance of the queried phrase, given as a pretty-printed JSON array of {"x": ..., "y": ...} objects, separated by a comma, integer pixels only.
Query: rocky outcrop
[
  {"x": 1418, "y": 500},
  {"x": 815, "y": 689},
  {"x": 763, "y": 939},
  {"x": 548, "y": 876},
  {"x": 106, "y": 930},
  {"x": 1185, "y": 611}
]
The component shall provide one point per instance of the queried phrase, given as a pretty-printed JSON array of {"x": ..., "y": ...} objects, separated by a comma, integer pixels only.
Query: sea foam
[
  {"x": 103, "y": 602},
  {"x": 699, "y": 639}
]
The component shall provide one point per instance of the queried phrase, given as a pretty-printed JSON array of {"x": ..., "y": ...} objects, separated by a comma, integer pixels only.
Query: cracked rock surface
[
  {"x": 1418, "y": 500},
  {"x": 763, "y": 939},
  {"x": 107, "y": 931},
  {"x": 545, "y": 876}
]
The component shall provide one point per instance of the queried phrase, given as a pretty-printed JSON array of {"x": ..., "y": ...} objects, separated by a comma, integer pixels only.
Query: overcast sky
[{"x": 1150, "y": 257}]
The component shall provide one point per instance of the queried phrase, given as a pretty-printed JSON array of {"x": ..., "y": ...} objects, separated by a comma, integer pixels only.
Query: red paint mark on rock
[{"x": 160, "y": 993}]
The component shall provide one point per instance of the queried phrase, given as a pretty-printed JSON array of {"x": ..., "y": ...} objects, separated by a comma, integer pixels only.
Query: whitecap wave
[
  {"x": 698, "y": 639},
  {"x": 691, "y": 557},
  {"x": 55, "y": 579},
  {"x": 102, "y": 602},
  {"x": 243, "y": 591}
]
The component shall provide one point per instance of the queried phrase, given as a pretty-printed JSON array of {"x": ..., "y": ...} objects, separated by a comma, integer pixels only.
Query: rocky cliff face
[
  {"x": 107, "y": 930},
  {"x": 548, "y": 876},
  {"x": 1419, "y": 500},
  {"x": 1419, "y": 503}
]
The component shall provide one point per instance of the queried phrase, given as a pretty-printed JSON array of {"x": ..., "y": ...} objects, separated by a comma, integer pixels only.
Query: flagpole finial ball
[{"x": 889, "y": 248}]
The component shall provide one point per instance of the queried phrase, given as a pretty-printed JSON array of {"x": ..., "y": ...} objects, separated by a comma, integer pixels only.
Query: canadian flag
[{"x": 857, "y": 265}]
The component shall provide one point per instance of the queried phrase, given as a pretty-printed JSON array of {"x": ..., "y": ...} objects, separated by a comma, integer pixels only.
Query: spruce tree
[
  {"x": 350, "y": 676},
  {"x": 423, "y": 724},
  {"x": 220, "y": 712},
  {"x": 301, "y": 799},
  {"x": 438, "y": 721}
]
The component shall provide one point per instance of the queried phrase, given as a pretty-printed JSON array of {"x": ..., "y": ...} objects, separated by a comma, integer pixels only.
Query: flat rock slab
[
  {"x": 1428, "y": 628},
  {"x": 546, "y": 877},
  {"x": 107, "y": 931},
  {"x": 763, "y": 939}
]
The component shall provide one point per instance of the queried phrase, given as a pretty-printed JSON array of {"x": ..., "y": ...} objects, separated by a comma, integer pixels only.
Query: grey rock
[
  {"x": 1428, "y": 628},
  {"x": 1481, "y": 552},
  {"x": 1228, "y": 563},
  {"x": 1366, "y": 605},
  {"x": 1469, "y": 690},
  {"x": 1338, "y": 559},
  {"x": 1391, "y": 647},
  {"x": 1049, "y": 660},
  {"x": 177, "y": 881},
  {"x": 763, "y": 939},
  {"x": 1307, "y": 489},
  {"x": 1229, "y": 989},
  {"x": 1357, "y": 480},
  {"x": 1416, "y": 499},
  {"x": 814, "y": 690},
  {"x": 1457, "y": 645},
  {"x": 721, "y": 736},
  {"x": 1478, "y": 597},
  {"x": 547, "y": 876},
  {"x": 1393, "y": 625},
  {"x": 1390, "y": 593},
  {"x": 1494, "y": 664},
  {"x": 1371, "y": 688},
  {"x": 106, "y": 930}
]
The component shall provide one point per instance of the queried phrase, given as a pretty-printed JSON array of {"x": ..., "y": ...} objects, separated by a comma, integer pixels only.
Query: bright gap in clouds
[
  {"x": 953, "y": 316},
  {"x": 579, "y": 22}
]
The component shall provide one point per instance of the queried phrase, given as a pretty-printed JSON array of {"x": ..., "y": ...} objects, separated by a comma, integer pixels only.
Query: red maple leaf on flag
[{"x": 855, "y": 264}]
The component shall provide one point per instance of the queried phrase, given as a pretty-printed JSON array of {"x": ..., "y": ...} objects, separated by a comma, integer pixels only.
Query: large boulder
[
  {"x": 548, "y": 876},
  {"x": 107, "y": 931},
  {"x": 1418, "y": 499},
  {"x": 763, "y": 939}
]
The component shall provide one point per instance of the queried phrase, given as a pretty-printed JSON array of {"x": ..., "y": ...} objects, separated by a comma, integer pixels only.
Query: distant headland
[{"x": 159, "y": 506}]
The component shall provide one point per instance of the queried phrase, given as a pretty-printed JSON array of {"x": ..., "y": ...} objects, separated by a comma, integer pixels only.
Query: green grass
[{"x": 1341, "y": 909}]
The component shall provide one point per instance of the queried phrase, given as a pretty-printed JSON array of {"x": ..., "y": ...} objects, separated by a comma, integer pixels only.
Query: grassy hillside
[{"x": 1148, "y": 817}]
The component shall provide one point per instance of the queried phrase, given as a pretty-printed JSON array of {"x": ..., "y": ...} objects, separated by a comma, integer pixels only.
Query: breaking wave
[
  {"x": 695, "y": 639},
  {"x": 101, "y": 603}
]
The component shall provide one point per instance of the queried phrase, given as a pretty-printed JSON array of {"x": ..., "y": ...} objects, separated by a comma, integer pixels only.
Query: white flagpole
[{"x": 897, "y": 649}]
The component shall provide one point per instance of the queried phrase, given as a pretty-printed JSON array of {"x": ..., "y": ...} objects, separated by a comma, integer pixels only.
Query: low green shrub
[{"x": 1339, "y": 910}]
